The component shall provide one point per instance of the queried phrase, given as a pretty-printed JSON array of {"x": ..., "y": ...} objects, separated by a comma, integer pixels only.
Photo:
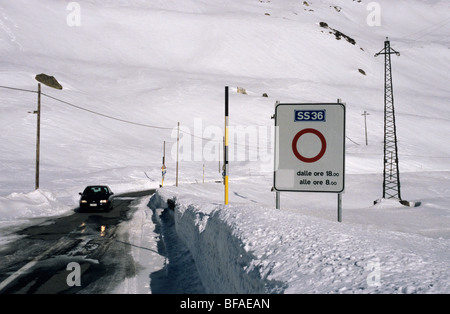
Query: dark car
[{"x": 96, "y": 197}]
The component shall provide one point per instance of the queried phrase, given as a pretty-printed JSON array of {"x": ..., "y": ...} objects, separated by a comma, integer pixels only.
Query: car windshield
[{"x": 95, "y": 190}]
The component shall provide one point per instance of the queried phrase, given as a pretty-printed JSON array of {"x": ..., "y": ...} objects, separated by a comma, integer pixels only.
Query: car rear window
[{"x": 95, "y": 190}]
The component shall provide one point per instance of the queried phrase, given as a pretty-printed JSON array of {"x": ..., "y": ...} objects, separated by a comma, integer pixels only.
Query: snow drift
[{"x": 243, "y": 248}]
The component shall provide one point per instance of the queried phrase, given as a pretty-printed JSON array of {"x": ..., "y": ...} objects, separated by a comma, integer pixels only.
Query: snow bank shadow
[
  {"x": 179, "y": 275},
  {"x": 227, "y": 267}
]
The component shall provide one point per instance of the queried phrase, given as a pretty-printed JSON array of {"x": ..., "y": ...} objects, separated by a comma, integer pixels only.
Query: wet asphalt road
[{"x": 50, "y": 257}]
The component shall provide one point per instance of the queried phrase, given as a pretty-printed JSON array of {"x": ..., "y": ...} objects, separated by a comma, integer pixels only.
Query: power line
[
  {"x": 428, "y": 30},
  {"x": 414, "y": 37},
  {"x": 19, "y": 89},
  {"x": 88, "y": 110},
  {"x": 100, "y": 114},
  {"x": 123, "y": 120},
  {"x": 107, "y": 116},
  {"x": 351, "y": 140}
]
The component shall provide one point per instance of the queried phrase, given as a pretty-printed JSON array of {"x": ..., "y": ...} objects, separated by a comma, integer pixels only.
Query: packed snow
[
  {"x": 247, "y": 247},
  {"x": 131, "y": 70}
]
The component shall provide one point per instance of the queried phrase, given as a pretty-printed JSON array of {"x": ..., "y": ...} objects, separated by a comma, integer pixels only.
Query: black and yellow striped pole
[{"x": 226, "y": 147}]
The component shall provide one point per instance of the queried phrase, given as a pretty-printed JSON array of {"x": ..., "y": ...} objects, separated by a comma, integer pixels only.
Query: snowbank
[
  {"x": 39, "y": 203},
  {"x": 249, "y": 248}
]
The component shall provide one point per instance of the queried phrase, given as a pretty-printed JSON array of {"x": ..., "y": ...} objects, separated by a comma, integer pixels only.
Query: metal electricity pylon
[{"x": 391, "y": 174}]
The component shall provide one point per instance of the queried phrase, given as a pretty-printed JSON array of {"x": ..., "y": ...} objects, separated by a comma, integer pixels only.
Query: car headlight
[
  {"x": 83, "y": 201},
  {"x": 103, "y": 201}
]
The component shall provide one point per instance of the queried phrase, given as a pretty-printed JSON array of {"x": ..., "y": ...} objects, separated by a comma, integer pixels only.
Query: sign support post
[
  {"x": 278, "y": 195},
  {"x": 339, "y": 207}
]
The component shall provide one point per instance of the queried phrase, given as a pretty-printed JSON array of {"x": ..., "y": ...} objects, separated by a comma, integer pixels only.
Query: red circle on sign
[{"x": 319, "y": 155}]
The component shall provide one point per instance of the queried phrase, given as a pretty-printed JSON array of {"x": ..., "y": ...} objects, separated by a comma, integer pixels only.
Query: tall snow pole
[
  {"x": 226, "y": 147},
  {"x": 391, "y": 174}
]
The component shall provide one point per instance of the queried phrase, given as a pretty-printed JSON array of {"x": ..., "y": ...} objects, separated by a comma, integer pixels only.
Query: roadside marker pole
[
  {"x": 226, "y": 145},
  {"x": 218, "y": 144},
  {"x": 163, "y": 168},
  {"x": 178, "y": 148}
]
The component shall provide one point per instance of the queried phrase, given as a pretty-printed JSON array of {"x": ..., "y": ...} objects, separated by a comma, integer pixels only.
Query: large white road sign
[{"x": 309, "y": 147}]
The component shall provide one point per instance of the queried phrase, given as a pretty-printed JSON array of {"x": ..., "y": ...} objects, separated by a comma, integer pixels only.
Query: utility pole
[
  {"x": 38, "y": 137},
  {"x": 51, "y": 82},
  {"x": 365, "y": 114}
]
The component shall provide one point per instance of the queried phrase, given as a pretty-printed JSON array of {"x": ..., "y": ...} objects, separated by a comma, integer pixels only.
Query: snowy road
[
  {"x": 162, "y": 262},
  {"x": 80, "y": 253}
]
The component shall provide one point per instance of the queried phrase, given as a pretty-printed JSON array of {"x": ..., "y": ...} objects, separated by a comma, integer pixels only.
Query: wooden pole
[
  {"x": 365, "y": 114},
  {"x": 38, "y": 137}
]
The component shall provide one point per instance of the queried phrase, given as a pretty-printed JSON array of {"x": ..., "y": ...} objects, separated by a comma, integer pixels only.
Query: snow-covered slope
[{"x": 157, "y": 63}]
